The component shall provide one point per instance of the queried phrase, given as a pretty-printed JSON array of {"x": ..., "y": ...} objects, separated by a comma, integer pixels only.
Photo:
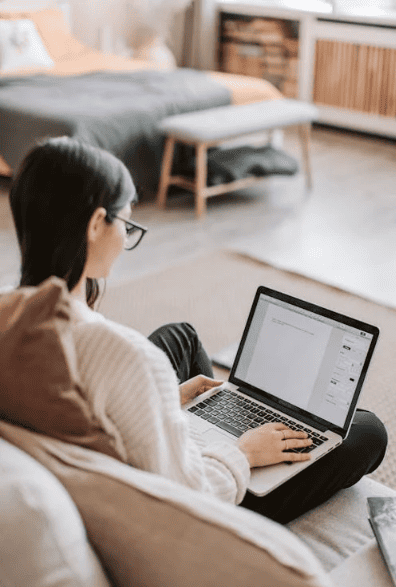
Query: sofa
[{"x": 72, "y": 514}]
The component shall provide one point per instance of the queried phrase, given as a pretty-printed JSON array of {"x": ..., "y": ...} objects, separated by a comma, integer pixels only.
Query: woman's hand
[
  {"x": 266, "y": 445},
  {"x": 195, "y": 386}
]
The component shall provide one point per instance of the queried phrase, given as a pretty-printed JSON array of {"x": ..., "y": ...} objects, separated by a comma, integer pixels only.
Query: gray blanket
[{"x": 116, "y": 111}]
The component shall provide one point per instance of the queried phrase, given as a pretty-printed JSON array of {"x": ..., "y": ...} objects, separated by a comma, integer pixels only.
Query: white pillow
[
  {"x": 42, "y": 536},
  {"x": 21, "y": 46}
]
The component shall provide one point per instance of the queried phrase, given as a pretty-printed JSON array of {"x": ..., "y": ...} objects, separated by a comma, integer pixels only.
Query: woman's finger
[
  {"x": 286, "y": 432},
  {"x": 279, "y": 426},
  {"x": 209, "y": 383},
  {"x": 294, "y": 434},
  {"x": 296, "y": 456},
  {"x": 296, "y": 443}
]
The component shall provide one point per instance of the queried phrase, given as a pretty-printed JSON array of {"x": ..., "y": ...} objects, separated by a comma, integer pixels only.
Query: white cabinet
[{"x": 346, "y": 62}]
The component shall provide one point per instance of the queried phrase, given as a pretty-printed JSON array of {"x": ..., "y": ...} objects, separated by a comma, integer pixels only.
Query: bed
[{"x": 110, "y": 101}]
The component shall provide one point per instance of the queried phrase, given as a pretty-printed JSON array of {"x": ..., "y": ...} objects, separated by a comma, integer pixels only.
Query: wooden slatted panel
[{"x": 357, "y": 77}]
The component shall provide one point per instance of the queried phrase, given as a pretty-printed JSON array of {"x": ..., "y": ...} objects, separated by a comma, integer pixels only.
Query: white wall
[
  {"x": 89, "y": 16},
  {"x": 118, "y": 16}
]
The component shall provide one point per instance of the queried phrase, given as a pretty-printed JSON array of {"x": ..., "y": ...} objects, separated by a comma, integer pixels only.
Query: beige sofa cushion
[
  {"x": 39, "y": 382},
  {"x": 149, "y": 531},
  {"x": 340, "y": 527},
  {"x": 43, "y": 541},
  {"x": 365, "y": 568}
]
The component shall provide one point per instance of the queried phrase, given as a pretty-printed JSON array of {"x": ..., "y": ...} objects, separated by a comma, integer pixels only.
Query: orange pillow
[{"x": 39, "y": 382}]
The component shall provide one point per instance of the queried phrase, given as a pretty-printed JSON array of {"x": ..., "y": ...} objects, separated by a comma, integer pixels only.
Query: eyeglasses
[{"x": 134, "y": 233}]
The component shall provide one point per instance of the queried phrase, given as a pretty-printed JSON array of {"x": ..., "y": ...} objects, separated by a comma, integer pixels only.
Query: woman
[{"x": 71, "y": 205}]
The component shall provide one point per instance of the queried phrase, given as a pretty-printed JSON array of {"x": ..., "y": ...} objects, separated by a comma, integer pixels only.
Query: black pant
[{"x": 360, "y": 454}]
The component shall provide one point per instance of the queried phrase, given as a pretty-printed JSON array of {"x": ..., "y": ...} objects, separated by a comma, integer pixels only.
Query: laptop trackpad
[{"x": 217, "y": 436}]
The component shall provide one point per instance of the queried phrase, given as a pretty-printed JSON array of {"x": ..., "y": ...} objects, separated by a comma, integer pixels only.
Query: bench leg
[
  {"x": 201, "y": 173},
  {"x": 304, "y": 131},
  {"x": 166, "y": 169}
]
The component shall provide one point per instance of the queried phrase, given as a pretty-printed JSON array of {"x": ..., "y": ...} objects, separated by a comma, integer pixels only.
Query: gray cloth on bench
[
  {"x": 246, "y": 161},
  {"x": 226, "y": 165},
  {"x": 218, "y": 124},
  {"x": 119, "y": 112}
]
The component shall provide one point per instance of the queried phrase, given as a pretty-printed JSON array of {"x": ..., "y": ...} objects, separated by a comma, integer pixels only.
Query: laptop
[{"x": 296, "y": 363}]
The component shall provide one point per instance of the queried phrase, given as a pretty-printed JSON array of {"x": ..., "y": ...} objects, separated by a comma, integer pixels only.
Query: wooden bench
[{"x": 211, "y": 127}]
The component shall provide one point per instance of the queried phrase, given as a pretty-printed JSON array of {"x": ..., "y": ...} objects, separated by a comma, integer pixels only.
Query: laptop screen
[{"x": 307, "y": 357}]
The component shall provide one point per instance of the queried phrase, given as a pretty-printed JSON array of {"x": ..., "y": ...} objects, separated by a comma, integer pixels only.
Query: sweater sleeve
[{"x": 134, "y": 393}]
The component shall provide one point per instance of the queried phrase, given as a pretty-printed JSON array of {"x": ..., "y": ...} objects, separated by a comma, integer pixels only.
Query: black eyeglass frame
[{"x": 131, "y": 226}]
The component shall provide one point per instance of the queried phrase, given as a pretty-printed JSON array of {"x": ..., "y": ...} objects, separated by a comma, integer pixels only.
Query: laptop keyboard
[{"x": 235, "y": 414}]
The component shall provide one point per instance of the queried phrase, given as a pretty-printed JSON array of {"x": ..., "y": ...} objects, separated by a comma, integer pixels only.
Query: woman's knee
[
  {"x": 367, "y": 440},
  {"x": 180, "y": 334},
  {"x": 180, "y": 341}
]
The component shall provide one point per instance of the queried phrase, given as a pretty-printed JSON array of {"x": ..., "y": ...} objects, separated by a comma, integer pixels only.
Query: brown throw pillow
[{"x": 39, "y": 382}]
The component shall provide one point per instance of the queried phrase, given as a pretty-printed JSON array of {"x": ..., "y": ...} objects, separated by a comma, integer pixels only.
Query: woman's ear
[{"x": 96, "y": 224}]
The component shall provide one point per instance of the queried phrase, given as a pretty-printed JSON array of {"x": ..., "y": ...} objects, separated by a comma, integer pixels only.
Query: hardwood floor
[{"x": 345, "y": 166}]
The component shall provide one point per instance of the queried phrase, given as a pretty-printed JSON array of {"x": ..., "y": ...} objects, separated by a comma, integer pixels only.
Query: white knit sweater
[{"x": 134, "y": 393}]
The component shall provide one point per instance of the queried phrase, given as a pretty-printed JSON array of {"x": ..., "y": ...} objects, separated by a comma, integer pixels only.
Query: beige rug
[
  {"x": 214, "y": 292},
  {"x": 348, "y": 246}
]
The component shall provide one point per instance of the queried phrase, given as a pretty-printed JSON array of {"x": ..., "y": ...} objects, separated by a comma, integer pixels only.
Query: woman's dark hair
[{"x": 57, "y": 188}]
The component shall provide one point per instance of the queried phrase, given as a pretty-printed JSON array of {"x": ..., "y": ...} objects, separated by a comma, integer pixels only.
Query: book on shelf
[
  {"x": 291, "y": 46},
  {"x": 290, "y": 88},
  {"x": 258, "y": 30},
  {"x": 253, "y": 37},
  {"x": 292, "y": 67},
  {"x": 230, "y": 58},
  {"x": 382, "y": 518}
]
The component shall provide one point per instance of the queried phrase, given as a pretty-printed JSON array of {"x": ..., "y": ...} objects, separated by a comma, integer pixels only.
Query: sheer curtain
[{"x": 204, "y": 34}]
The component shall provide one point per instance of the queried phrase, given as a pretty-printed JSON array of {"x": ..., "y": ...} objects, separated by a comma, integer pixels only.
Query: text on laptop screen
[{"x": 303, "y": 358}]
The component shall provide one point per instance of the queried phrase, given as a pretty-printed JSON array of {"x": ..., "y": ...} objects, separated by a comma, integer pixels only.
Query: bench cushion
[{"x": 226, "y": 122}]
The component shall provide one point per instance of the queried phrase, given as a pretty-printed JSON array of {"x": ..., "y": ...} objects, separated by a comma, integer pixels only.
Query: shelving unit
[
  {"x": 261, "y": 47},
  {"x": 345, "y": 62}
]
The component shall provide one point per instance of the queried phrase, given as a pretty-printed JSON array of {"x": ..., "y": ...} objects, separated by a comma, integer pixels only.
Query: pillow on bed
[
  {"x": 21, "y": 46},
  {"x": 53, "y": 30}
]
